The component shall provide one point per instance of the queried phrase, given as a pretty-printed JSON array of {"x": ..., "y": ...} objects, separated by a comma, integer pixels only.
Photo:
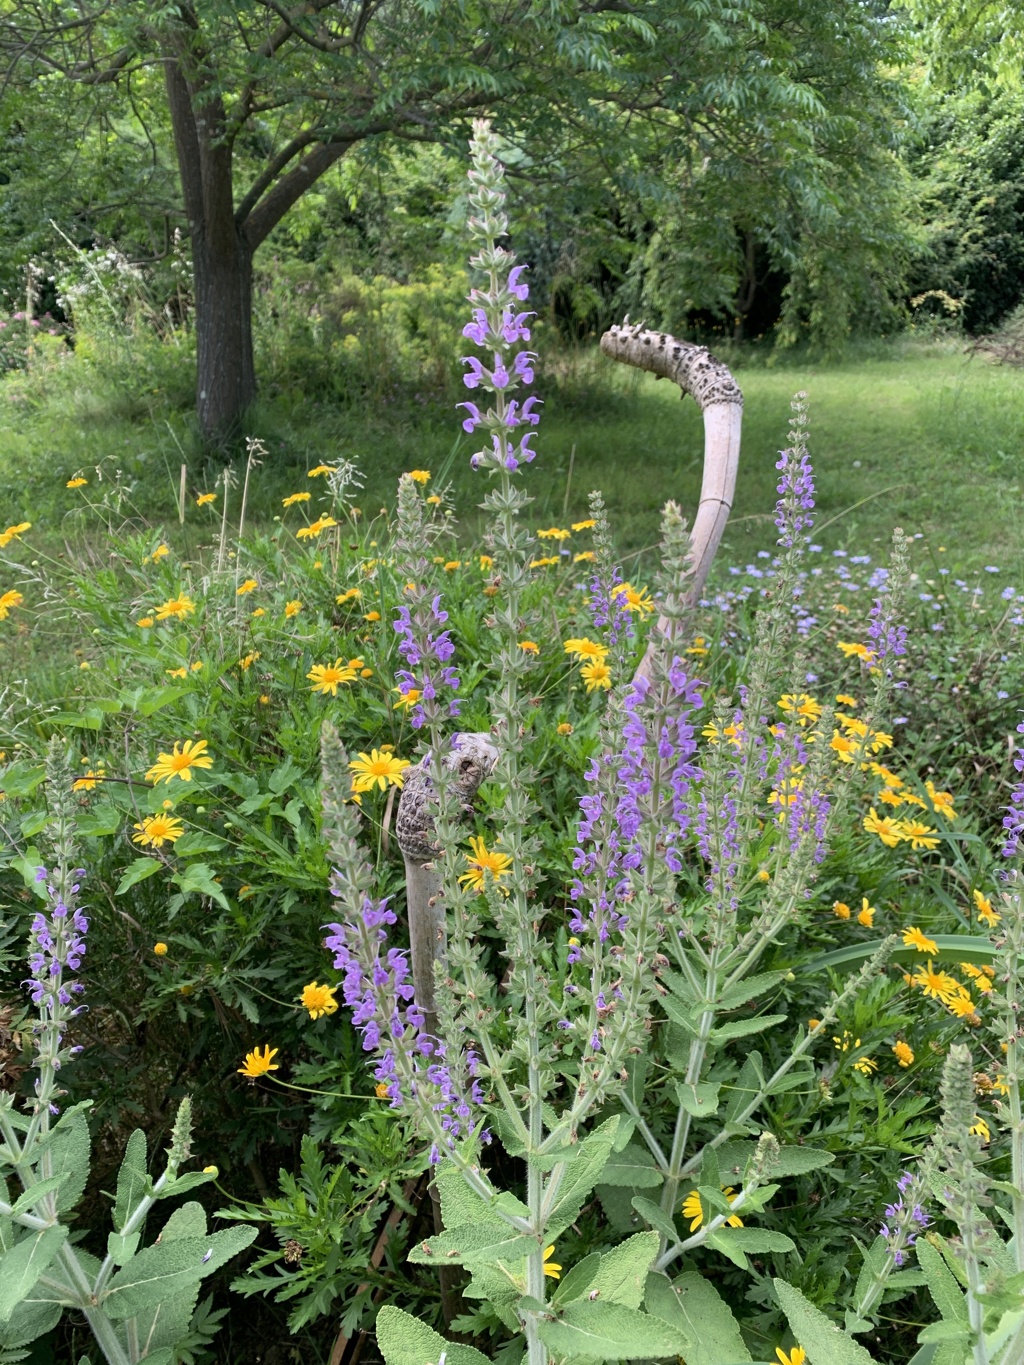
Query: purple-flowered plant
[
  {"x": 497, "y": 326},
  {"x": 47, "y": 1153},
  {"x": 1013, "y": 820}
]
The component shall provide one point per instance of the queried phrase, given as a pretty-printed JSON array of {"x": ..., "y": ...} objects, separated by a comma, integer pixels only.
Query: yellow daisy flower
[
  {"x": 9, "y": 600},
  {"x": 257, "y": 1065},
  {"x": 180, "y": 762},
  {"x": 484, "y": 861},
  {"x": 329, "y": 677},
  {"x": 319, "y": 1000},
  {"x": 179, "y": 606},
  {"x": 377, "y": 769},
  {"x": 596, "y": 674},
  {"x": 157, "y": 830}
]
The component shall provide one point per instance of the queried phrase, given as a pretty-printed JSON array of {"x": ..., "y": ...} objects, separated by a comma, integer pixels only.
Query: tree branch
[
  {"x": 266, "y": 215},
  {"x": 270, "y": 173}
]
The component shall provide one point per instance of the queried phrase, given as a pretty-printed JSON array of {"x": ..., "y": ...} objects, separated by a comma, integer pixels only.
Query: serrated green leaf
[
  {"x": 609, "y": 1331},
  {"x": 576, "y": 1281},
  {"x": 946, "y": 1294},
  {"x": 69, "y": 1155},
  {"x": 137, "y": 872},
  {"x": 99, "y": 821},
  {"x": 680, "y": 1014},
  {"x": 483, "y": 1244},
  {"x": 700, "y": 1099},
  {"x": 404, "y": 1340},
  {"x": 163, "y": 1271},
  {"x": 30, "y": 1197},
  {"x": 122, "y": 1249},
  {"x": 657, "y": 1217},
  {"x": 623, "y": 1271},
  {"x": 694, "y": 1307},
  {"x": 584, "y": 1172},
  {"x": 748, "y": 1083},
  {"x": 743, "y": 1028},
  {"x": 633, "y": 1167},
  {"x": 749, "y": 989},
  {"x": 132, "y": 1179},
  {"x": 824, "y": 1343},
  {"x": 198, "y": 879},
  {"x": 24, "y": 1263}
]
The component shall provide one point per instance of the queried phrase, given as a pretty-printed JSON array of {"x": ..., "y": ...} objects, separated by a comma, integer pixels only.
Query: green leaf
[
  {"x": 89, "y": 719},
  {"x": 743, "y": 991},
  {"x": 943, "y": 1330},
  {"x": 609, "y": 1331},
  {"x": 404, "y": 1340},
  {"x": 184, "y": 1183},
  {"x": 199, "y": 879},
  {"x": 187, "y": 1221},
  {"x": 137, "y": 872},
  {"x": 148, "y": 700},
  {"x": 623, "y": 1271},
  {"x": 680, "y": 1014},
  {"x": 160, "y": 1272},
  {"x": 122, "y": 1249},
  {"x": 30, "y": 1197},
  {"x": 657, "y": 1217},
  {"x": 132, "y": 1179},
  {"x": 576, "y": 1281},
  {"x": 824, "y": 1343},
  {"x": 479, "y": 1242},
  {"x": 700, "y": 1100},
  {"x": 800, "y": 1160},
  {"x": 24, "y": 1263},
  {"x": 874, "y": 1260},
  {"x": 748, "y": 1084},
  {"x": 750, "y": 1240},
  {"x": 69, "y": 1156},
  {"x": 198, "y": 841},
  {"x": 633, "y": 1167},
  {"x": 584, "y": 1172},
  {"x": 946, "y": 1294},
  {"x": 99, "y": 821},
  {"x": 743, "y": 1028},
  {"x": 694, "y": 1307},
  {"x": 951, "y": 948},
  {"x": 461, "y": 1205}
]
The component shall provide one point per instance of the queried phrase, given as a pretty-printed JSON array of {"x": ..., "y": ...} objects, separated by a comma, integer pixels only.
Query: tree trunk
[
  {"x": 224, "y": 238},
  {"x": 225, "y": 371}
]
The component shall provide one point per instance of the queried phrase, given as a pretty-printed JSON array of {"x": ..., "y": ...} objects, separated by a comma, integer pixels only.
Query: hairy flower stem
[
  {"x": 857, "y": 984},
  {"x": 1010, "y": 963}
]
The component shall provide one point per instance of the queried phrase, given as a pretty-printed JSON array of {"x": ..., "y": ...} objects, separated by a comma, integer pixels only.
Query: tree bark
[
  {"x": 221, "y": 253},
  {"x": 225, "y": 368}
]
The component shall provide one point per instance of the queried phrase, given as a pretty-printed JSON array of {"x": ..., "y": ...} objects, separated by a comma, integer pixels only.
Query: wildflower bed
[{"x": 717, "y": 939}]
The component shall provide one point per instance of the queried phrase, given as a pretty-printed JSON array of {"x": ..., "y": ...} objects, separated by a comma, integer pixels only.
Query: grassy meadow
[{"x": 906, "y": 433}]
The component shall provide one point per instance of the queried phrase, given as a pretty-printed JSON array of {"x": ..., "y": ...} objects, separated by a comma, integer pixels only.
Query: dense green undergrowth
[{"x": 207, "y": 927}]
